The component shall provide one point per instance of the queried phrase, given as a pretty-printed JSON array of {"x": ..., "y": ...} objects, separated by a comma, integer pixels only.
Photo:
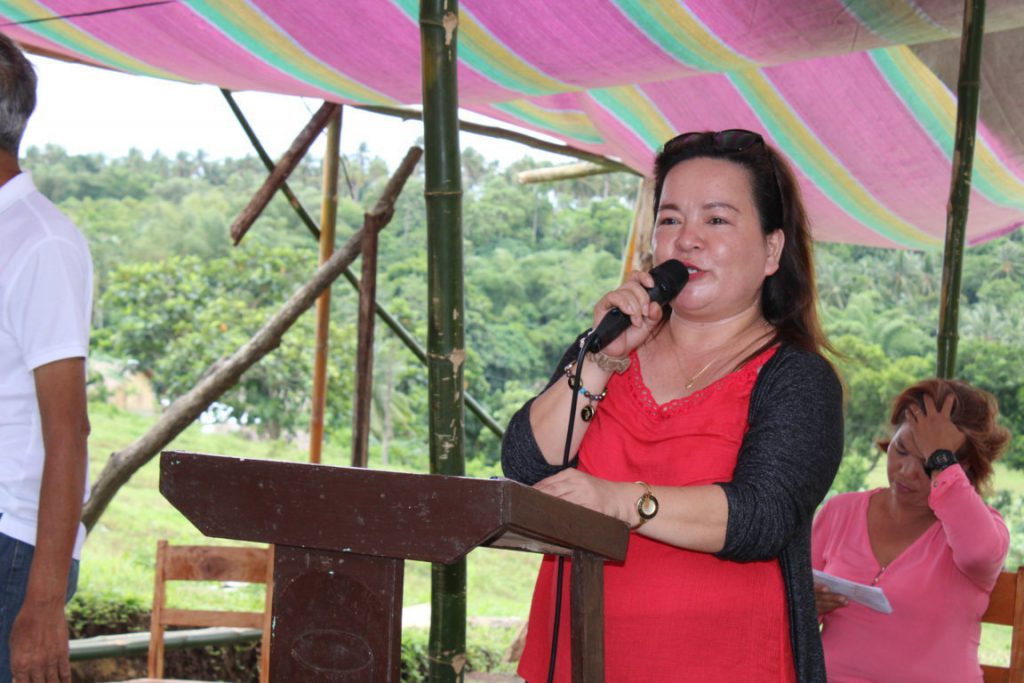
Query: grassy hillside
[{"x": 119, "y": 555}]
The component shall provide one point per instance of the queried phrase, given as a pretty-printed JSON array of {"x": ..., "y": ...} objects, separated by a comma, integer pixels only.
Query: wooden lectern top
[{"x": 431, "y": 518}]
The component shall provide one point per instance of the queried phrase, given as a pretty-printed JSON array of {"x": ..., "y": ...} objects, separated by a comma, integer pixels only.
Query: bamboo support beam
[
  {"x": 638, "y": 254},
  {"x": 328, "y": 220},
  {"x": 513, "y": 136},
  {"x": 446, "y": 352},
  {"x": 582, "y": 169},
  {"x": 372, "y": 223},
  {"x": 968, "y": 85},
  {"x": 393, "y": 324},
  {"x": 269, "y": 163},
  {"x": 225, "y": 373},
  {"x": 282, "y": 170}
]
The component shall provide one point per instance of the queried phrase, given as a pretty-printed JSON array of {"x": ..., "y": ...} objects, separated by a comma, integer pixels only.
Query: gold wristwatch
[{"x": 646, "y": 505}]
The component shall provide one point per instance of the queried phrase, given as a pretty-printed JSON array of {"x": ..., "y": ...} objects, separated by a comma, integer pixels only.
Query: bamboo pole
[
  {"x": 328, "y": 221},
  {"x": 960, "y": 185},
  {"x": 364, "y": 350},
  {"x": 445, "y": 332},
  {"x": 393, "y": 324},
  {"x": 638, "y": 254},
  {"x": 511, "y": 135},
  {"x": 281, "y": 171},
  {"x": 548, "y": 174},
  {"x": 269, "y": 163}
]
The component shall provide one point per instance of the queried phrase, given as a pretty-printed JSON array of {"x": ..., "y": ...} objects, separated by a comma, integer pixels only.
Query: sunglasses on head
[{"x": 731, "y": 140}]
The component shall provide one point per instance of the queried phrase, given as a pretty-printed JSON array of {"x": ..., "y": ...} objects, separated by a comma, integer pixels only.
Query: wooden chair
[
  {"x": 209, "y": 563},
  {"x": 1006, "y": 607}
]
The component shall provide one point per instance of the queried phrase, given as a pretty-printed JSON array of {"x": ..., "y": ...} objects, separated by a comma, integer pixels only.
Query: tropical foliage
[{"x": 174, "y": 296}]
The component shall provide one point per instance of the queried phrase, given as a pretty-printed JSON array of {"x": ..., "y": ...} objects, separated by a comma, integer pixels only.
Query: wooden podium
[{"x": 342, "y": 536}]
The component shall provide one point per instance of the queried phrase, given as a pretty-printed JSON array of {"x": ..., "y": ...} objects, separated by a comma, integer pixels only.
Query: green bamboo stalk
[
  {"x": 960, "y": 186},
  {"x": 445, "y": 338}
]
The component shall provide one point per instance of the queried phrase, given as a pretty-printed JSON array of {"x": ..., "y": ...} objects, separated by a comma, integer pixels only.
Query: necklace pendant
[{"x": 587, "y": 414}]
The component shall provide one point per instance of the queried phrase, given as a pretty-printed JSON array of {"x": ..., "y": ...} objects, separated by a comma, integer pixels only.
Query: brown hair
[
  {"x": 789, "y": 296},
  {"x": 974, "y": 413}
]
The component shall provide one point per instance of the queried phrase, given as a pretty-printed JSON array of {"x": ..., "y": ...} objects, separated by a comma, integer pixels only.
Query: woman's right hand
[
  {"x": 633, "y": 300},
  {"x": 825, "y": 600}
]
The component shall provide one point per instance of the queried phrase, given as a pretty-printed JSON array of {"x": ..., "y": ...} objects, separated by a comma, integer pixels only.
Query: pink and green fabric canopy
[{"x": 856, "y": 94}]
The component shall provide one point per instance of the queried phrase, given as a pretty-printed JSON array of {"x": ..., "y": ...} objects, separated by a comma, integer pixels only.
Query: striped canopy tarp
[{"x": 855, "y": 92}]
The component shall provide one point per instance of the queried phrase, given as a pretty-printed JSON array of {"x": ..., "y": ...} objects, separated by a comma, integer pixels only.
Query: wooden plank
[
  {"x": 211, "y": 618},
  {"x": 1001, "y": 601},
  {"x": 432, "y": 518},
  {"x": 1017, "y": 641},
  {"x": 337, "y": 617},
  {"x": 587, "y": 618},
  {"x": 215, "y": 563}
]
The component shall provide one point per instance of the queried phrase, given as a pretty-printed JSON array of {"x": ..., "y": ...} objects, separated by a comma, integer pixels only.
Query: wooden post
[
  {"x": 439, "y": 20},
  {"x": 328, "y": 220},
  {"x": 960, "y": 186},
  {"x": 281, "y": 171},
  {"x": 638, "y": 254},
  {"x": 547, "y": 174},
  {"x": 364, "y": 353},
  {"x": 268, "y": 163}
]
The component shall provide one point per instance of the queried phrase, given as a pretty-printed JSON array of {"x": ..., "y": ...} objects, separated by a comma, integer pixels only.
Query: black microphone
[{"x": 669, "y": 279}]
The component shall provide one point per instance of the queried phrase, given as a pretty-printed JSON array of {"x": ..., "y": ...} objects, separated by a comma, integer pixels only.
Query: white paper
[{"x": 869, "y": 596}]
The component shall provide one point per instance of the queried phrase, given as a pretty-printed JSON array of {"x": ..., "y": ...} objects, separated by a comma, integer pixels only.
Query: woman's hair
[
  {"x": 789, "y": 296},
  {"x": 17, "y": 94},
  {"x": 974, "y": 413}
]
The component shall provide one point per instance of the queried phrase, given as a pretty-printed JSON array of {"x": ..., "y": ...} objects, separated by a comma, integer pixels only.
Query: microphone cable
[{"x": 577, "y": 383}]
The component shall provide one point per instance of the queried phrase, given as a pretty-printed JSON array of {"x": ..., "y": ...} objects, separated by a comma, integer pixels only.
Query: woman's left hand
[
  {"x": 933, "y": 428},
  {"x": 607, "y": 497}
]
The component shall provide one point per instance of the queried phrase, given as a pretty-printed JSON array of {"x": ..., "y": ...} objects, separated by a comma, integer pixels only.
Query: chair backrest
[
  {"x": 1006, "y": 607},
  {"x": 209, "y": 563}
]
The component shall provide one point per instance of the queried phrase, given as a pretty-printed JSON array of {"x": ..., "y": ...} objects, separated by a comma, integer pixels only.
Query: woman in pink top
[{"x": 928, "y": 540}]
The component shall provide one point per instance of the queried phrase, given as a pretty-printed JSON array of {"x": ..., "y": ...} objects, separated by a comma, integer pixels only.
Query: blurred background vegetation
[{"x": 173, "y": 296}]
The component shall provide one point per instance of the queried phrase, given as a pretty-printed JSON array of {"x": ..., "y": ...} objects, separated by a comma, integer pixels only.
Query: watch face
[
  {"x": 940, "y": 460},
  {"x": 648, "y": 506}
]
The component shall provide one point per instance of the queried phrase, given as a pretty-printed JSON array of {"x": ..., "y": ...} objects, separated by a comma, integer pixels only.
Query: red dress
[{"x": 672, "y": 614}]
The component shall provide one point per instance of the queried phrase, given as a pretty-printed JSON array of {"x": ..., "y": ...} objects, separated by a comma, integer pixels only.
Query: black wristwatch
[{"x": 939, "y": 460}]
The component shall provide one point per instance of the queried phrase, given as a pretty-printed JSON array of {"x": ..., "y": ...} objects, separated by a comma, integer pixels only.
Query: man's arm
[{"x": 39, "y": 638}]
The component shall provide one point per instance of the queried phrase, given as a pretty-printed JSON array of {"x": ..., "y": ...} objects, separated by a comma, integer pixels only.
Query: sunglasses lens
[
  {"x": 736, "y": 139},
  {"x": 732, "y": 140},
  {"x": 684, "y": 140}
]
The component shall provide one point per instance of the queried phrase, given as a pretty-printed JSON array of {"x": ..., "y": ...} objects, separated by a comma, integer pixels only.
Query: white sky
[{"x": 89, "y": 110}]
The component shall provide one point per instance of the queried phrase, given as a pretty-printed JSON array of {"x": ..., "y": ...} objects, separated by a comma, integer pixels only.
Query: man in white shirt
[{"x": 45, "y": 306}]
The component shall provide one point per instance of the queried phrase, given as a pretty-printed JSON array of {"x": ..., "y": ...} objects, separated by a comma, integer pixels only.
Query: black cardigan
[{"x": 786, "y": 464}]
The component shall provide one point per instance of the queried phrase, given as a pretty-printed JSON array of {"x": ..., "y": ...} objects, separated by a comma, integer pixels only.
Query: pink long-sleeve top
[{"x": 938, "y": 588}]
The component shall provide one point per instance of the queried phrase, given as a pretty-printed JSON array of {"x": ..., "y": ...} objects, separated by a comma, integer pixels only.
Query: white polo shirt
[{"x": 45, "y": 307}]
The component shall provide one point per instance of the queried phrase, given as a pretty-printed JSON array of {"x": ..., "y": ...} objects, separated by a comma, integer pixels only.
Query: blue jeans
[{"x": 15, "y": 561}]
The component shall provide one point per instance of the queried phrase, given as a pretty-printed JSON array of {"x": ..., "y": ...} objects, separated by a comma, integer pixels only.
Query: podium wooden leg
[
  {"x": 337, "y": 617},
  {"x": 587, "y": 615}
]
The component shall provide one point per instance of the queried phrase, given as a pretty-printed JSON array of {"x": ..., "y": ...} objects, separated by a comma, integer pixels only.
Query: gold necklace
[{"x": 693, "y": 380}]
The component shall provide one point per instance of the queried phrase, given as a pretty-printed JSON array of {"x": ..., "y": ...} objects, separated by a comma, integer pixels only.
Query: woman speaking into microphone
[{"x": 712, "y": 425}]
